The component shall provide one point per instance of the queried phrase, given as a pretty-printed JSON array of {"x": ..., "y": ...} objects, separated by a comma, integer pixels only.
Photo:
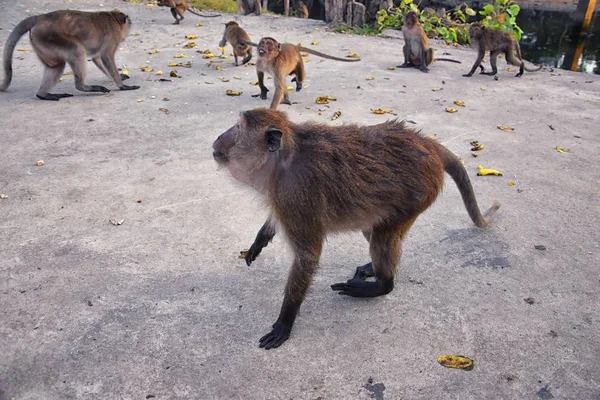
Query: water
[{"x": 547, "y": 38}]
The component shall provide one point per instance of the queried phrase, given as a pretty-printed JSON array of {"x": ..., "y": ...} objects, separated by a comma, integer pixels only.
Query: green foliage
[
  {"x": 227, "y": 6},
  {"x": 502, "y": 15},
  {"x": 364, "y": 30}
]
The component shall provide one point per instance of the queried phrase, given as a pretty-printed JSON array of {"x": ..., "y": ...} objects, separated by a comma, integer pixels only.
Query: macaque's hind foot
[
  {"x": 361, "y": 288},
  {"x": 363, "y": 272},
  {"x": 280, "y": 333},
  {"x": 53, "y": 96}
]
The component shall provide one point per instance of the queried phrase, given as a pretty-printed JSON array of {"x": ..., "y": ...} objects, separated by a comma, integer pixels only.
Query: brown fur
[
  {"x": 249, "y": 6},
  {"x": 496, "y": 42},
  {"x": 179, "y": 7},
  {"x": 320, "y": 179},
  {"x": 281, "y": 60},
  {"x": 67, "y": 36},
  {"x": 417, "y": 52},
  {"x": 239, "y": 39}
]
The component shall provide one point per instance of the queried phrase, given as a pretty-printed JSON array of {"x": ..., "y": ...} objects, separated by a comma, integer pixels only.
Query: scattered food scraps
[
  {"x": 314, "y": 42},
  {"x": 437, "y": 89},
  {"x": 487, "y": 171},
  {"x": 459, "y": 103},
  {"x": 189, "y": 45},
  {"x": 159, "y": 73},
  {"x": 391, "y": 68},
  {"x": 476, "y": 145},
  {"x": 325, "y": 99},
  {"x": 191, "y": 36},
  {"x": 174, "y": 74},
  {"x": 509, "y": 69},
  {"x": 370, "y": 78},
  {"x": 22, "y": 49},
  {"x": 243, "y": 254},
  {"x": 381, "y": 111},
  {"x": 451, "y": 110},
  {"x": 336, "y": 115},
  {"x": 116, "y": 221},
  {"x": 353, "y": 55},
  {"x": 223, "y": 79},
  {"x": 304, "y": 54},
  {"x": 529, "y": 300},
  {"x": 458, "y": 362},
  {"x": 40, "y": 163},
  {"x": 540, "y": 247},
  {"x": 222, "y": 51},
  {"x": 562, "y": 150},
  {"x": 290, "y": 88},
  {"x": 505, "y": 128},
  {"x": 254, "y": 83},
  {"x": 154, "y": 51},
  {"x": 511, "y": 183},
  {"x": 3, "y": 196},
  {"x": 146, "y": 68},
  {"x": 166, "y": 111},
  {"x": 230, "y": 92},
  {"x": 181, "y": 55},
  {"x": 198, "y": 24}
]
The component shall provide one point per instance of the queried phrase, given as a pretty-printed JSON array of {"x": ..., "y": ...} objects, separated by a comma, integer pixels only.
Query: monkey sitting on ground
[
  {"x": 249, "y": 6},
  {"x": 281, "y": 60},
  {"x": 239, "y": 39},
  {"x": 496, "y": 42},
  {"x": 417, "y": 52},
  {"x": 320, "y": 179},
  {"x": 66, "y": 36},
  {"x": 179, "y": 7}
]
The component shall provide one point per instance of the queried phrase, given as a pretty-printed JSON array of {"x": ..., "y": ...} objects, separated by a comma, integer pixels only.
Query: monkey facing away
[
  {"x": 249, "y": 6},
  {"x": 66, "y": 36},
  {"x": 320, "y": 179},
  {"x": 497, "y": 42},
  {"x": 417, "y": 52},
  {"x": 281, "y": 60},
  {"x": 179, "y": 7},
  {"x": 239, "y": 39}
]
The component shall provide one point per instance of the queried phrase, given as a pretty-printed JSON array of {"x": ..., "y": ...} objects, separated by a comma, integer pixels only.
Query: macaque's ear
[
  {"x": 278, "y": 46},
  {"x": 242, "y": 122},
  {"x": 122, "y": 18},
  {"x": 273, "y": 139}
]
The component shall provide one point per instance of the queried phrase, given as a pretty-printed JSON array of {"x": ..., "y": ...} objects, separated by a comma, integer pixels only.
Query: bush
[{"x": 227, "y": 6}]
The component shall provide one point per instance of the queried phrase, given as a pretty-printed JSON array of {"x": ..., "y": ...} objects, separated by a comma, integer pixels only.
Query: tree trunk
[
  {"x": 265, "y": 4},
  {"x": 353, "y": 12},
  {"x": 286, "y": 8}
]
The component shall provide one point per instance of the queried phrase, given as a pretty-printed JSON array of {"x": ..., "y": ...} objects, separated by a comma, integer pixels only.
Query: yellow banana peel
[
  {"x": 458, "y": 362},
  {"x": 487, "y": 171}
]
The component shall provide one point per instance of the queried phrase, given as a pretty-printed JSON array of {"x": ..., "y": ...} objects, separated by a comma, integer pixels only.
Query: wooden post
[
  {"x": 585, "y": 8},
  {"x": 286, "y": 8}
]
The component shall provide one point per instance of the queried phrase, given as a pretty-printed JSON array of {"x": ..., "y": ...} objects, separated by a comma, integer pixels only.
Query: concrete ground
[{"x": 162, "y": 307}]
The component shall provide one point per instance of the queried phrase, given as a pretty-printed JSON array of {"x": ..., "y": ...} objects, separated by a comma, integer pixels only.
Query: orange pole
[{"x": 591, "y": 5}]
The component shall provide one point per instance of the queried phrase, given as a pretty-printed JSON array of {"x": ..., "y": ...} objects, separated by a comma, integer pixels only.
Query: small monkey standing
[
  {"x": 67, "y": 36},
  {"x": 320, "y": 179},
  {"x": 417, "y": 52},
  {"x": 239, "y": 39},
  {"x": 496, "y": 42}
]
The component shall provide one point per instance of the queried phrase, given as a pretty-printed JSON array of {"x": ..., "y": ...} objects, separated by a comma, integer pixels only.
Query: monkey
[
  {"x": 66, "y": 36},
  {"x": 301, "y": 9},
  {"x": 179, "y": 7},
  {"x": 417, "y": 52},
  {"x": 239, "y": 40},
  {"x": 249, "y": 6},
  {"x": 496, "y": 42},
  {"x": 281, "y": 60},
  {"x": 319, "y": 179}
]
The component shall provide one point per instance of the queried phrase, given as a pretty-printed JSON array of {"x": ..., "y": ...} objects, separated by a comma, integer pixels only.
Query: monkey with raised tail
[
  {"x": 179, "y": 7},
  {"x": 320, "y": 179},
  {"x": 239, "y": 40},
  {"x": 67, "y": 36},
  {"x": 496, "y": 42}
]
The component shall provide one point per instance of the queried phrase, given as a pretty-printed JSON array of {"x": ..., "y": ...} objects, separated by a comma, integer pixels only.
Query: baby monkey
[
  {"x": 67, "y": 36},
  {"x": 496, "y": 42},
  {"x": 417, "y": 52},
  {"x": 239, "y": 39},
  {"x": 281, "y": 60}
]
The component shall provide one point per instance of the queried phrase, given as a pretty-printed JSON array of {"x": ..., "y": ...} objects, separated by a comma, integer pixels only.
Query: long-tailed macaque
[
  {"x": 281, "y": 60},
  {"x": 239, "y": 39},
  {"x": 249, "y": 6},
  {"x": 417, "y": 52},
  {"x": 320, "y": 179},
  {"x": 496, "y": 42},
  {"x": 179, "y": 7},
  {"x": 62, "y": 37}
]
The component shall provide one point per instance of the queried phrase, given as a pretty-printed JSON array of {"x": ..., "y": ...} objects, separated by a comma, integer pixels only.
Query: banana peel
[
  {"x": 487, "y": 171},
  {"x": 457, "y": 362}
]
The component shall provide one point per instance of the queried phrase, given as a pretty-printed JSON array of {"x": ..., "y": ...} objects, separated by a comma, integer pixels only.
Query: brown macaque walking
[
  {"x": 62, "y": 37},
  {"x": 281, "y": 60},
  {"x": 249, "y": 6},
  {"x": 496, "y": 42},
  {"x": 179, "y": 7},
  {"x": 239, "y": 39},
  {"x": 320, "y": 179},
  {"x": 417, "y": 52}
]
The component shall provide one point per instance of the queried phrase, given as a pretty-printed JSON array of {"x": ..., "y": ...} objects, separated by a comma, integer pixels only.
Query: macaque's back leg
[
  {"x": 363, "y": 272},
  {"x": 247, "y": 57},
  {"x": 51, "y": 77},
  {"x": 480, "y": 55},
  {"x": 493, "y": 61},
  {"x": 512, "y": 59},
  {"x": 406, "y": 51},
  {"x": 77, "y": 62},
  {"x": 110, "y": 69},
  {"x": 425, "y": 56},
  {"x": 386, "y": 249},
  {"x": 181, "y": 9},
  {"x": 300, "y": 75},
  {"x": 174, "y": 13}
]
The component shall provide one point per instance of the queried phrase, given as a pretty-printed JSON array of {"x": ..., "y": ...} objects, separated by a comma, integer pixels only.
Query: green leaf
[
  {"x": 514, "y": 10},
  {"x": 442, "y": 30},
  {"x": 487, "y": 10},
  {"x": 470, "y": 11}
]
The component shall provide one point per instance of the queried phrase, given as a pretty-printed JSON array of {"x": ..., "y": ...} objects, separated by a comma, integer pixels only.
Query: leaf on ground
[
  {"x": 189, "y": 45},
  {"x": 230, "y": 92},
  {"x": 487, "y": 171},
  {"x": 391, "y": 68},
  {"x": 505, "y": 128},
  {"x": 562, "y": 150},
  {"x": 457, "y": 362},
  {"x": 254, "y": 83},
  {"x": 223, "y": 79},
  {"x": 437, "y": 89},
  {"x": 116, "y": 221},
  {"x": 476, "y": 145},
  {"x": 381, "y": 110},
  {"x": 166, "y": 111},
  {"x": 218, "y": 68},
  {"x": 159, "y": 73},
  {"x": 180, "y": 55},
  {"x": 451, "y": 110},
  {"x": 325, "y": 99},
  {"x": 353, "y": 55},
  {"x": 191, "y": 36},
  {"x": 174, "y": 74},
  {"x": 336, "y": 115},
  {"x": 154, "y": 51},
  {"x": 459, "y": 103},
  {"x": 146, "y": 68},
  {"x": 370, "y": 78},
  {"x": 140, "y": 100},
  {"x": 198, "y": 24},
  {"x": 511, "y": 183}
]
